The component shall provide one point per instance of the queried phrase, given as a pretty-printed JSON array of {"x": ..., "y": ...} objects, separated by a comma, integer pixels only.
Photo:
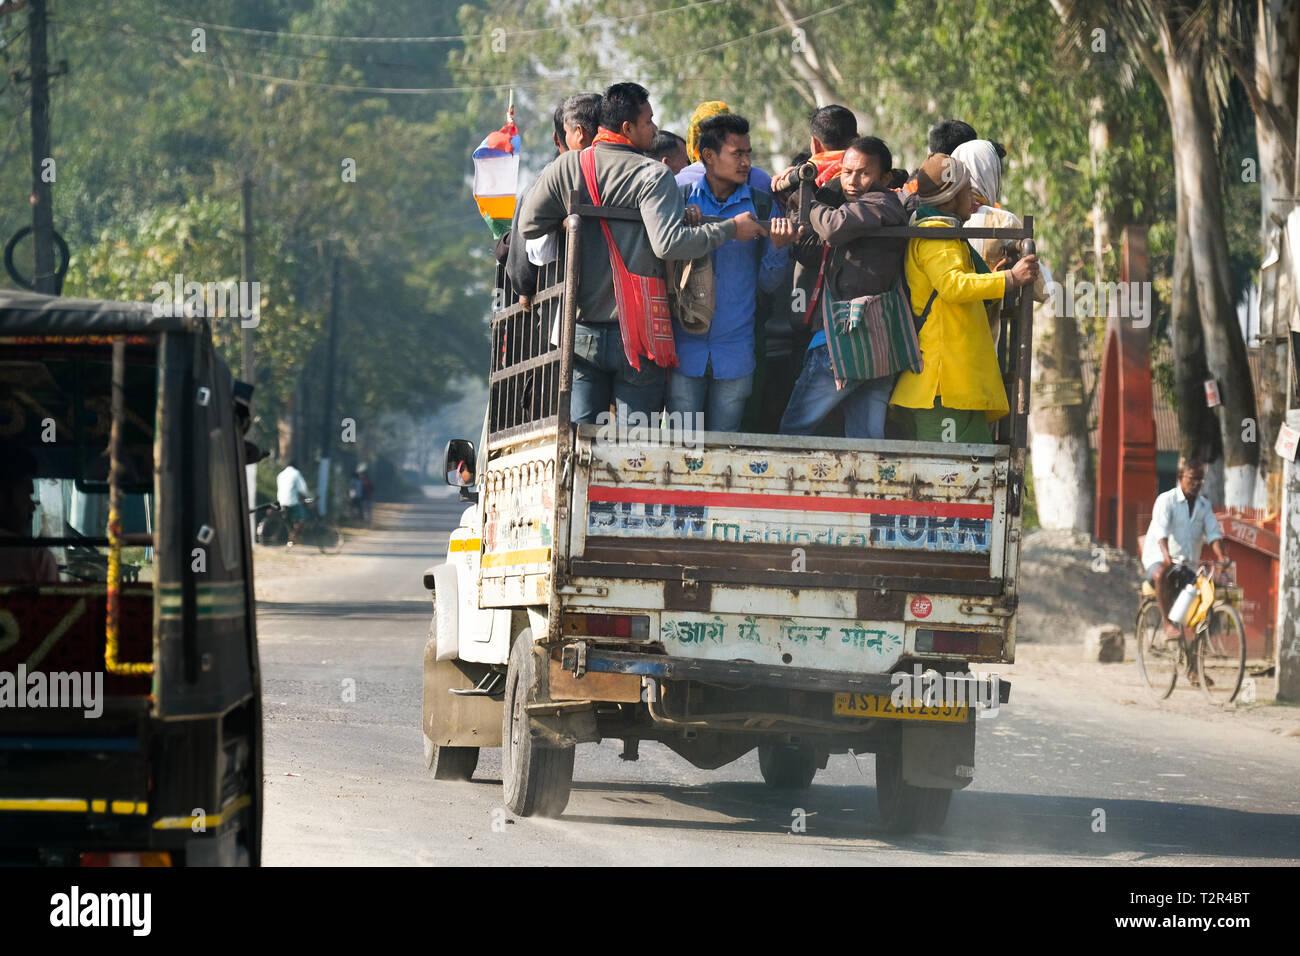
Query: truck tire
[
  {"x": 535, "y": 776},
  {"x": 450, "y": 763},
  {"x": 903, "y": 807},
  {"x": 785, "y": 767}
]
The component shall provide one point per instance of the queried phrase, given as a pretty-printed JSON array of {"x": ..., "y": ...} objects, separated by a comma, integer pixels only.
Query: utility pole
[
  {"x": 331, "y": 353},
  {"x": 1288, "y": 584},
  {"x": 247, "y": 367},
  {"x": 327, "y": 422},
  {"x": 42, "y": 189}
]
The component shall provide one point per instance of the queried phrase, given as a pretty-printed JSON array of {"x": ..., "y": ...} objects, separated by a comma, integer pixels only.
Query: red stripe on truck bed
[{"x": 769, "y": 502}]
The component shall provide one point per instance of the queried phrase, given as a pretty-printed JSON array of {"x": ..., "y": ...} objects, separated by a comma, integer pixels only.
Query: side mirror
[{"x": 458, "y": 463}]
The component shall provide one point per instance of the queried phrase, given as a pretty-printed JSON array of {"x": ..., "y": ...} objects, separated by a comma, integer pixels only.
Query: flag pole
[{"x": 510, "y": 109}]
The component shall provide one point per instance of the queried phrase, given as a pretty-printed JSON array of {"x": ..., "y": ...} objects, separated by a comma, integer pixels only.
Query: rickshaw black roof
[{"x": 30, "y": 313}]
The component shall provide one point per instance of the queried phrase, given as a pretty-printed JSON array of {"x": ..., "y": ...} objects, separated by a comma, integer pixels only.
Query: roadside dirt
[
  {"x": 1068, "y": 584},
  {"x": 1060, "y": 669}
]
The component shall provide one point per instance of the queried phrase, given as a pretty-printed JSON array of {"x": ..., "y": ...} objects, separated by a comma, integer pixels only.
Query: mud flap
[
  {"x": 568, "y": 722},
  {"x": 940, "y": 756},
  {"x": 451, "y": 720}
]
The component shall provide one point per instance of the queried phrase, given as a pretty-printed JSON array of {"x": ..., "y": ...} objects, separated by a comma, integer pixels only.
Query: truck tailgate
[{"x": 792, "y": 512}]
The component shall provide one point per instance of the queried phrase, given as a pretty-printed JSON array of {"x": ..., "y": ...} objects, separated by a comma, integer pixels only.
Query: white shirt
[
  {"x": 289, "y": 484},
  {"x": 1186, "y": 532},
  {"x": 543, "y": 250}
]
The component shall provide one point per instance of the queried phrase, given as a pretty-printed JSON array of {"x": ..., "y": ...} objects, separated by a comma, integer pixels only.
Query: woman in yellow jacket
[{"x": 959, "y": 389}]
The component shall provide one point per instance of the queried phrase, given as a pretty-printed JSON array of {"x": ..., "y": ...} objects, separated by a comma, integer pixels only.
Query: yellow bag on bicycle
[{"x": 1204, "y": 601}]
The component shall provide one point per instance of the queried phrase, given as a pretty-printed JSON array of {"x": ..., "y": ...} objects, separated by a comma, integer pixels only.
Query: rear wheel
[
  {"x": 1158, "y": 659},
  {"x": 329, "y": 539},
  {"x": 535, "y": 775},
  {"x": 1221, "y": 655},
  {"x": 272, "y": 531},
  {"x": 450, "y": 763},
  {"x": 785, "y": 767},
  {"x": 903, "y": 807}
]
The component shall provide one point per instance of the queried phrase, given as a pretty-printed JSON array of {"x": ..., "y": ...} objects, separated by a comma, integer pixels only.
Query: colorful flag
[{"x": 496, "y": 178}]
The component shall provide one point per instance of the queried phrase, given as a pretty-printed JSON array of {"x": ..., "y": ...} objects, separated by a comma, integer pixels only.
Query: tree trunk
[
  {"x": 1098, "y": 143},
  {"x": 286, "y": 431},
  {"x": 1058, "y": 434},
  {"x": 1198, "y": 430},
  {"x": 1201, "y": 192},
  {"x": 807, "y": 63},
  {"x": 1277, "y": 62}
]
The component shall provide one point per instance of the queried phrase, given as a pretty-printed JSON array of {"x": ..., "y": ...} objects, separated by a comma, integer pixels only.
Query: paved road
[{"x": 346, "y": 783}]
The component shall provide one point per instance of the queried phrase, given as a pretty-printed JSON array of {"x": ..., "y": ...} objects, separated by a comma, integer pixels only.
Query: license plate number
[{"x": 874, "y": 705}]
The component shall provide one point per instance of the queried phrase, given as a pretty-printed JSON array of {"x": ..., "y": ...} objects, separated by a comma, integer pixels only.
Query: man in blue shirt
[{"x": 716, "y": 371}]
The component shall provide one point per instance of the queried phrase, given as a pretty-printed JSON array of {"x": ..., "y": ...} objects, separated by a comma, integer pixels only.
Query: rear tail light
[
  {"x": 966, "y": 643},
  {"x": 126, "y": 859},
  {"x": 632, "y": 626}
]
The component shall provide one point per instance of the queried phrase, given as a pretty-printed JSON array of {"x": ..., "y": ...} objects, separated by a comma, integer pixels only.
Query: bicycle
[
  {"x": 1216, "y": 654},
  {"x": 315, "y": 532}
]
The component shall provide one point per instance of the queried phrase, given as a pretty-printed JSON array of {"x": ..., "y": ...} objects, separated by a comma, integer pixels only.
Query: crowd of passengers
[{"x": 763, "y": 364}]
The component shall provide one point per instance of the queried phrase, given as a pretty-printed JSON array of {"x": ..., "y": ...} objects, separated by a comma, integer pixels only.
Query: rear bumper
[{"x": 579, "y": 657}]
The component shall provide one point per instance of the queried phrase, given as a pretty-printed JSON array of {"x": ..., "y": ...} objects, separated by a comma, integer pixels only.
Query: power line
[
  {"x": 460, "y": 37},
  {"x": 262, "y": 51},
  {"x": 499, "y": 87}
]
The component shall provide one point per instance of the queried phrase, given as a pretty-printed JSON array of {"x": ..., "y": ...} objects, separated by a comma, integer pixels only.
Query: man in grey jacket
[{"x": 625, "y": 177}]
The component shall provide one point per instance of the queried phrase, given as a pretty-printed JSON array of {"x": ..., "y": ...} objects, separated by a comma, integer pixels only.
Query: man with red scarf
[
  {"x": 625, "y": 177},
  {"x": 832, "y": 128}
]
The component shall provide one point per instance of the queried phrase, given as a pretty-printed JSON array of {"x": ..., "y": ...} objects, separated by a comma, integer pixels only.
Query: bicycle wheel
[
  {"x": 273, "y": 531},
  {"x": 1221, "y": 654},
  {"x": 328, "y": 539},
  {"x": 1158, "y": 660}
]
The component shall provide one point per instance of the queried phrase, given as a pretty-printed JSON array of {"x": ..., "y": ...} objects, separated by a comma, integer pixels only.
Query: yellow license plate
[{"x": 873, "y": 705}]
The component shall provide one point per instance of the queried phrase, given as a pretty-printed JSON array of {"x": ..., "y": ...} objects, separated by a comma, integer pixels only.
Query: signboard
[
  {"x": 1293, "y": 243},
  {"x": 1212, "y": 393},
  {"x": 1287, "y": 437}
]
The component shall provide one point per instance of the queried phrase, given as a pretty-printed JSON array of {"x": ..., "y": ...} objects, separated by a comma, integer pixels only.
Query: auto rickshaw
[{"x": 125, "y": 562}]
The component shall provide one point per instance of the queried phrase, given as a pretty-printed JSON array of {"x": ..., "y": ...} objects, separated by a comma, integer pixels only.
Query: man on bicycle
[
  {"x": 1181, "y": 522},
  {"x": 290, "y": 489}
]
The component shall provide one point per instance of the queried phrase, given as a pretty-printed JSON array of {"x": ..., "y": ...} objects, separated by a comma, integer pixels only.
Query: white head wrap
[{"x": 985, "y": 167}]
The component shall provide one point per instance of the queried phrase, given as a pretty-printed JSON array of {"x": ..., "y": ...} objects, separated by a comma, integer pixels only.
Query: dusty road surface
[{"x": 342, "y": 638}]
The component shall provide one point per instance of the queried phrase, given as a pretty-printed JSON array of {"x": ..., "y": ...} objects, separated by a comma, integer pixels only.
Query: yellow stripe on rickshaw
[
  {"x": 44, "y": 804},
  {"x": 210, "y": 820},
  {"x": 465, "y": 544}
]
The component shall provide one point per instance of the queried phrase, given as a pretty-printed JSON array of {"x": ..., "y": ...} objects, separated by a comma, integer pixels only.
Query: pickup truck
[{"x": 717, "y": 594}]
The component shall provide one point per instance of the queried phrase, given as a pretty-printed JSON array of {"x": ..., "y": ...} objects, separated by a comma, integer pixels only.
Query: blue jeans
[
  {"x": 815, "y": 396},
  {"x": 720, "y": 400},
  {"x": 602, "y": 376}
]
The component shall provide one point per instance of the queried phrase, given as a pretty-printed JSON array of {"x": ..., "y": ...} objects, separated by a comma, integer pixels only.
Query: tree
[
  {"x": 1269, "y": 71},
  {"x": 155, "y": 125},
  {"x": 1177, "y": 42}
]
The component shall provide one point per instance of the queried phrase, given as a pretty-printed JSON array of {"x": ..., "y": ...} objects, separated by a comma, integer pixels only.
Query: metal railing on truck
[{"x": 531, "y": 372}]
